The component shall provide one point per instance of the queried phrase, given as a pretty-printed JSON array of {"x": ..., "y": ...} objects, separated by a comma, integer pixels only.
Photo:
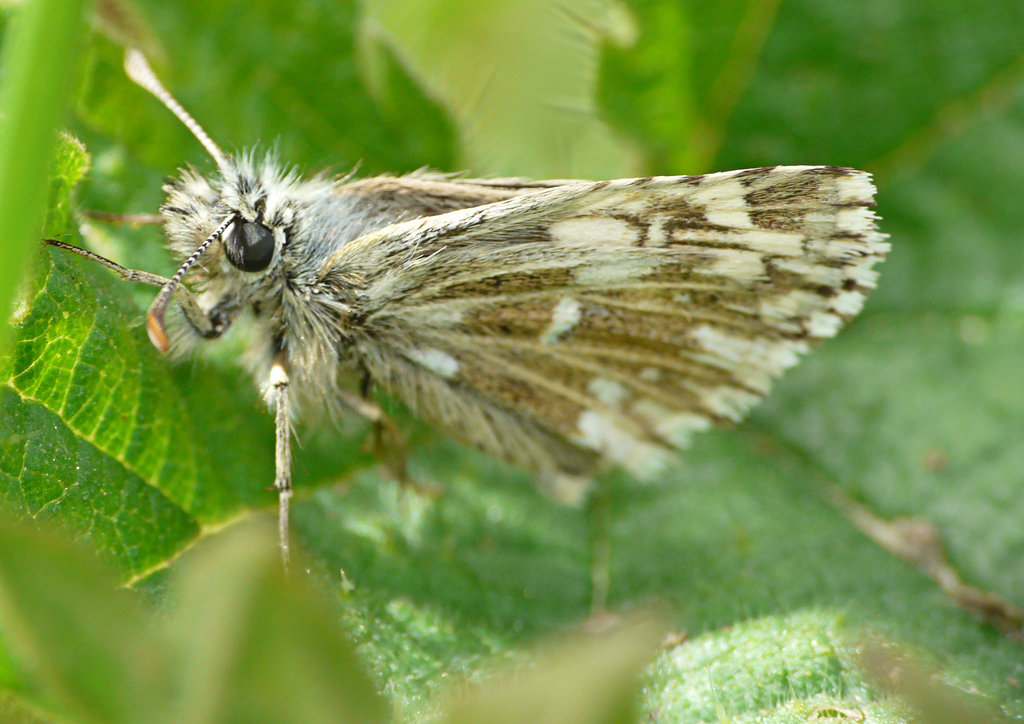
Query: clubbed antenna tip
[
  {"x": 155, "y": 319},
  {"x": 137, "y": 68}
]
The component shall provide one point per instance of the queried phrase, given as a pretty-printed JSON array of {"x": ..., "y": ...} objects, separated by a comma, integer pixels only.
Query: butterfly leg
[
  {"x": 193, "y": 312},
  {"x": 599, "y": 513},
  {"x": 388, "y": 445},
  {"x": 277, "y": 394},
  {"x": 386, "y": 442}
]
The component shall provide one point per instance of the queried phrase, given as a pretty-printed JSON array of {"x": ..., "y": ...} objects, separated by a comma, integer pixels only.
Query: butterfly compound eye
[{"x": 250, "y": 246}]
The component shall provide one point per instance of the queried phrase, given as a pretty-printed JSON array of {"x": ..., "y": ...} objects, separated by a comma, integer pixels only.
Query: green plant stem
[{"x": 40, "y": 58}]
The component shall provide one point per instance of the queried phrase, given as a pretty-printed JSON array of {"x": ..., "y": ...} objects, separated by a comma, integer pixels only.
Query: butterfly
[{"x": 562, "y": 326}]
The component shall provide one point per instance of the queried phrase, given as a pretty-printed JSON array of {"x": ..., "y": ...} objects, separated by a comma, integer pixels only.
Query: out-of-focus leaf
[
  {"x": 242, "y": 644},
  {"x": 590, "y": 679},
  {"x": 84, "y": 647},
  {"x": 262, "y": 648},
  {"x": 13, "y": 711},
  {"x": 518, "y": 77},
  {"x": 265, "y": 74},
  {"x": 935, "y": 701},
  {"x": 122, "y": 22}
]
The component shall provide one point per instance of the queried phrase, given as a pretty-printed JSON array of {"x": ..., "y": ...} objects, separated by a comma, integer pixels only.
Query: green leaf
[
  {"x": 262, "y": 649},
  {"x": 586, "y": 680},
  {"x": 490, "y": 64},
  {"x": 70, "y": 163},
  {"x": 913, "y": 410},
  {"x": 956, "y": 470},
  {"x": 100, "y": 434},
  {"x": 83, "y": 647},
  {"x": 796, "y": 663},
  {"x": 309, "y": 103}
]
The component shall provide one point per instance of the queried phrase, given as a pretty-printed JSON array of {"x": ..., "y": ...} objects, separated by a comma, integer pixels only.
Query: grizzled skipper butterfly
[{"x": 562, "y": 326}]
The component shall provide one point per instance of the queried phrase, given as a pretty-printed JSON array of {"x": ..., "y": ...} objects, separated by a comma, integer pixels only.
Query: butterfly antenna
[
  {"x": 137, "y": 68},
  {"x": 157, "y": 310}
]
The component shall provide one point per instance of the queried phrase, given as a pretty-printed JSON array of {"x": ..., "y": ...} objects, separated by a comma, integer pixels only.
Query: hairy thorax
[{"x": 305, "y": 306}]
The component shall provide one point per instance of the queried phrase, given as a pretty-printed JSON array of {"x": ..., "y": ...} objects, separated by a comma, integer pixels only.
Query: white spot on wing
[
  {"x": 814, "y": 273},
  {"x": 776, "y": 243},
  {"x": 753, "y": 353},
  {"x": 855, "y": 220},
  {"x": 855, "y": 187},
  {"x": 675, "y": 428},
  {"x": 821, "y": 218},
  {"x": 601, "y": 433},
  {"x": 723, "y": 193},
  {"x": 607, "y": 273},
  {"x": 863, "y": 274},
  {"x": 735, "y": 218},
  {"x": 848, "y": 302},
  {"x": 737, "y": 264},
  {"x": 437, "y": 315},
  {"x": 564, "y": 317},
  {"x": 610, "y": 392},
  {"x": 438, "y": 362},
  {"x": 846, "y": 249},
  {"x": 650, "y": 374},
  {"x": 794, "y": 303},
  {"x": 595, "y": 232},
  {"x": 656, "y": 231},
  {"x": 729, "y": 402},
  {"x": 823, "y": 324}
]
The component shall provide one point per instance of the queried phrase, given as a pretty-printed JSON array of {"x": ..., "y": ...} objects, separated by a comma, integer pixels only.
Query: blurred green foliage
[
  {"x": 915, "y": 410},
  {"x": 40, "y": 58},
  {"x": 259, "y": 649}
]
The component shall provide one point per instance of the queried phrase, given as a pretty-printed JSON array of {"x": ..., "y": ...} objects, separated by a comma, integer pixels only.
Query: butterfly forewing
[{"x": 586, "y": 322}]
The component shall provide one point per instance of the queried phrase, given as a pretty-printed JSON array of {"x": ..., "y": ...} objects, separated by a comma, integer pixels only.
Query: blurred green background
[{"x": 917, "y": 409}]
